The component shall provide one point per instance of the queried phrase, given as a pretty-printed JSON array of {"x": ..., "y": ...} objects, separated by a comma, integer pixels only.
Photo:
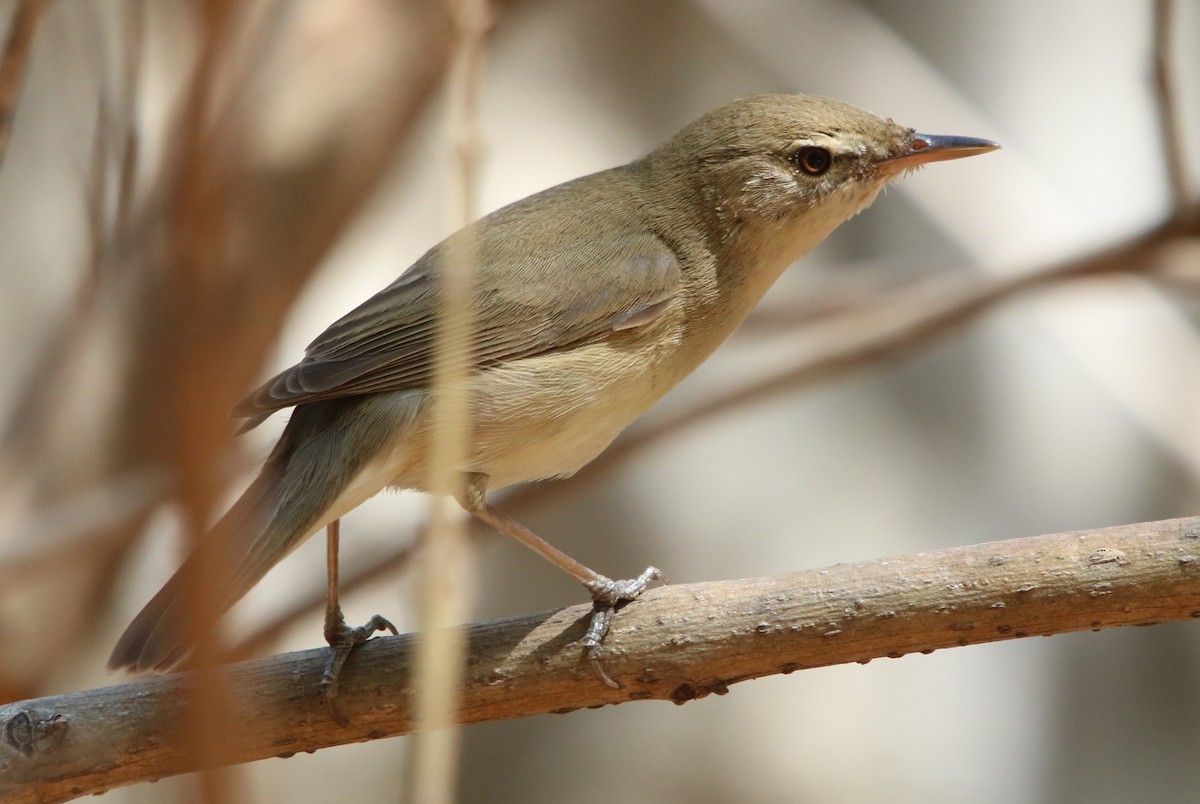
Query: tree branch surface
[{"x": 677, "y": 643}]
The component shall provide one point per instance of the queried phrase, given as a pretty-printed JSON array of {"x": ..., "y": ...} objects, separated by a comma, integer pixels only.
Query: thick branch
[{"x": 677, "y": 643}]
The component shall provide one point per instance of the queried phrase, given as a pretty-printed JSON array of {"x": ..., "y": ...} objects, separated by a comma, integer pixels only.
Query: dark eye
[{"x": 812, "y": 160}]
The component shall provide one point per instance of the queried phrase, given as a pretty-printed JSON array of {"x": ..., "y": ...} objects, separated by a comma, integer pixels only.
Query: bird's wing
[{"x": 528, "y": 300}]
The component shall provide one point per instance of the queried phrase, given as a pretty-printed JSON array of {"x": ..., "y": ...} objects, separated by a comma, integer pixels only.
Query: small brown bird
[{"x": 590, "y": 301}]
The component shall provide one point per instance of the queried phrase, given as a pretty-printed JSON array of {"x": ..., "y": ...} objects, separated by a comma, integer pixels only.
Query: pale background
[{"x": 1073, "y": 409}]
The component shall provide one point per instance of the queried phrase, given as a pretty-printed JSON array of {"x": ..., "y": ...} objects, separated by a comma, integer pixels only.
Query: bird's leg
[
  {"x": 342, "y": 639},
  {"x": 607, "y": 595}
]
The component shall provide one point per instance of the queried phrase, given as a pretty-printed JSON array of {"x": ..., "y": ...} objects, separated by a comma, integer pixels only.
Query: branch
[
  {"x": 1169, "y": 120},
  {"x": 15, "y": 58},
  {"x": 677, "y": 643},
  {"x": 203, "y": 249}
]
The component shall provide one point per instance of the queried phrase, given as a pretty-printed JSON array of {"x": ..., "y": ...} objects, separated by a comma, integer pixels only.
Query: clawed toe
[
  {"x": 342, "y": 641},
  {"x": 607, "y": 592},
  {"x": 608, "y": 595}
]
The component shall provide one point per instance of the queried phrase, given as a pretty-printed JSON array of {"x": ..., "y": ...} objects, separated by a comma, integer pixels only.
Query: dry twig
[
  {"x": 199, "y": 272},
  {"x": 1166, "y": 98},
  {"x": 12, "y": 65}
]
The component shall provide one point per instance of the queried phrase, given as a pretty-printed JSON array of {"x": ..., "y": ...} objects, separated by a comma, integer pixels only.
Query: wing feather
[{"x": 528, "y": 300}]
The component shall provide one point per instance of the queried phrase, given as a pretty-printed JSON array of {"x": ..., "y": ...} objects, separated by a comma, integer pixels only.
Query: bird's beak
[{"x": 926, "y": 148}]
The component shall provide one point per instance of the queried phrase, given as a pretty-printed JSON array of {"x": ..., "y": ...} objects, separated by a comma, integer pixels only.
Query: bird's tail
[{"x": 322, "y": 451}]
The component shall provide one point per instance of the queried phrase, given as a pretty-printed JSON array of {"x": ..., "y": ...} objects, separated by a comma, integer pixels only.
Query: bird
[{"x": 589, "y": 301}]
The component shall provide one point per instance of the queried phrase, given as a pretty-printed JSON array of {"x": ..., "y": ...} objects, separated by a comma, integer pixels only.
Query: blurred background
[{"x": 192, "y": 191}]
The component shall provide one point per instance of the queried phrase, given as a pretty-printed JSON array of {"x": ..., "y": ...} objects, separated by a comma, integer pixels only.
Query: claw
[
  {"x": 607, "y": 596},
  {"x": 342, "y": 641},
  {"x": 610, "y": 593}
]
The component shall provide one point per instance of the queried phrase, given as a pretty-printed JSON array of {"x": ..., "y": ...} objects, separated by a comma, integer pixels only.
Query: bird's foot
[
  {"x": 342, "y": 641},
  {"x": 608, "y": 596}
]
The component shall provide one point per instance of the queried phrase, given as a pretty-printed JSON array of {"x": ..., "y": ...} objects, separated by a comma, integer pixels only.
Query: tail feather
[
  {"x": 322, "y": 450},
  {"x": 168, "y": 626}
]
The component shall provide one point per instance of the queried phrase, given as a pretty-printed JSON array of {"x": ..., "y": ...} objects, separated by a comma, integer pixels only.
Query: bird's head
[{"x": 795, "y": 162}]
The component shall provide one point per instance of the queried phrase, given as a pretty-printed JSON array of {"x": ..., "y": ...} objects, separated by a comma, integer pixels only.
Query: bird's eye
[{"x": 812, "y": 160}]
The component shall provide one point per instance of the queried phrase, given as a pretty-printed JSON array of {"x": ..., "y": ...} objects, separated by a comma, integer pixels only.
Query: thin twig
[
  {"x": 133, "y": 43},
  {"x": 445, "y": 585},
  {"x": 12, "y": 66},
  {"x": 197, "y": 231},
  {"x": 1168, "y": 109},
  {"x": 287, "y": 215}
]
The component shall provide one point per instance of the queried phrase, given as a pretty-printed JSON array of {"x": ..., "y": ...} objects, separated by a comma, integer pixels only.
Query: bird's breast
[{"x": 549, "y": 415}]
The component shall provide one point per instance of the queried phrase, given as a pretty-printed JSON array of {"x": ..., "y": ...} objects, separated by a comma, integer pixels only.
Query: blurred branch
[
  {"x": 897, "y": 322},
  {"x": 194, "y": 274},
  {"x": 446, "y": 567},
  {"x": 12, "y": 65},
  {"x": 77, "y": 526},
  {"x": 676, "y": 643},
  {"x": 1168, "y": 109},
  {"x": 191, "y": 377}
]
